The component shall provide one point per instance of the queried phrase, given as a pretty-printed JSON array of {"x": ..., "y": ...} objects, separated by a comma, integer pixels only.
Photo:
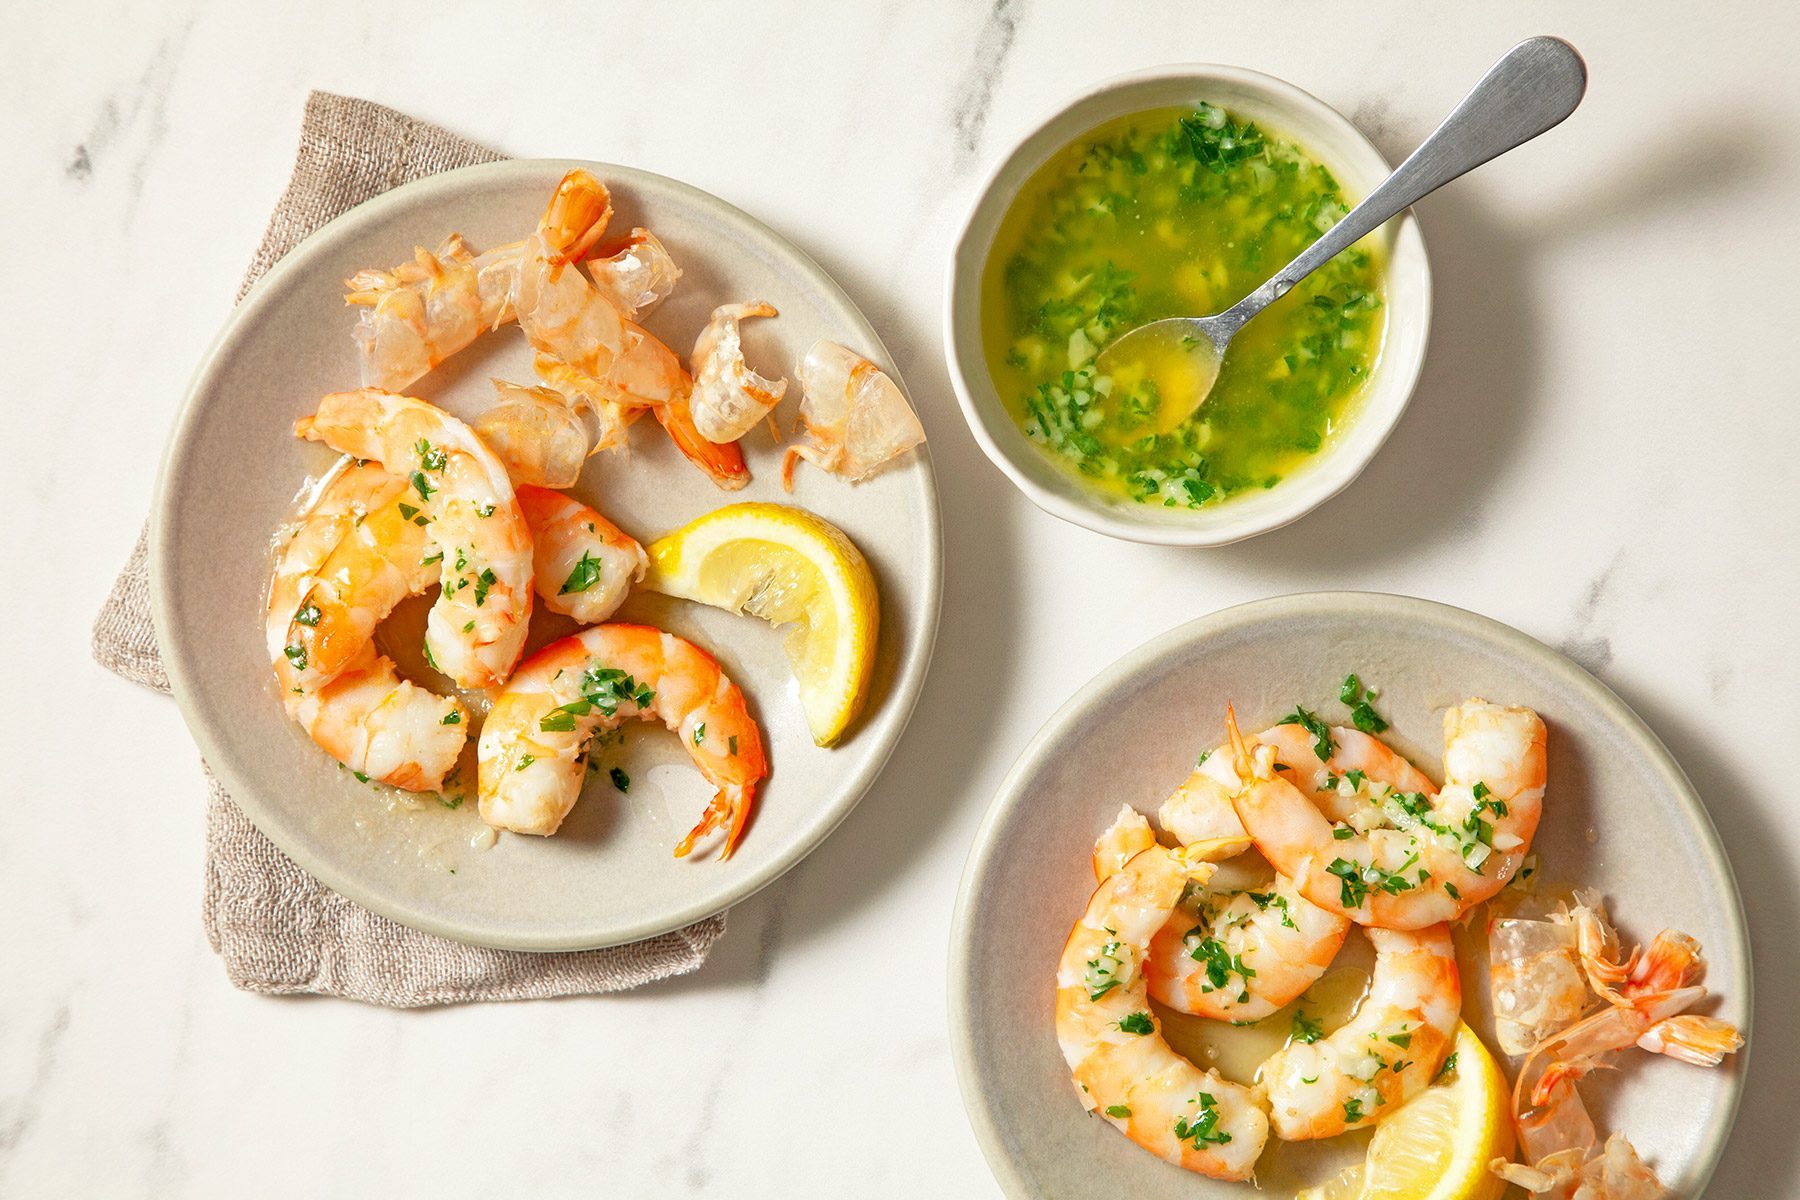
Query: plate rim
[
  {"x": 184, "y": 680},
  {"x": 1072, "y": 712}
]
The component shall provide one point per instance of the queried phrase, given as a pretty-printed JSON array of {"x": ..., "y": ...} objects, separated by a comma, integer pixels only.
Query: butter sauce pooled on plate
[{"x": 1168, "y": 213}]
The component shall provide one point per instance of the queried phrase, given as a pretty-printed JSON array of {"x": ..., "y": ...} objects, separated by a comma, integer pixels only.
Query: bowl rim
[
  {"x": 1326, "y": 476},
  {"x": 214, "y": 746},
  {"x": 1077, "y": 711}
]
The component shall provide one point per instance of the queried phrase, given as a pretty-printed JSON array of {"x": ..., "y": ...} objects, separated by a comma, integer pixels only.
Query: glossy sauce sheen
[{"x": 1177, "y": 213}]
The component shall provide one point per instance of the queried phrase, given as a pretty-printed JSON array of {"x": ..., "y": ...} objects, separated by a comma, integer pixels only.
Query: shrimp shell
[
  {"x": 855, "y": 418},
  {"x": 635, "y": 273},
  {"x": 729, "y": 398}
]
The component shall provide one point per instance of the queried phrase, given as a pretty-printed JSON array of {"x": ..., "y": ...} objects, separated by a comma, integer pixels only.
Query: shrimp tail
[
  {"x": 723, "y": 463},
  {"x": 1702, "y": 1041},
  {"x": 576, "y": 217},
  {"x": 729, "y": 804}
]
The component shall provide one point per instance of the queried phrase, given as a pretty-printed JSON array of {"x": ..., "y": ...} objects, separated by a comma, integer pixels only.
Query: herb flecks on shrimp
[
  {"x": 535, "y": 745},
  {"x": 354, "y": 552},
  {"x": 476, "y": 629},
  {"x": 1195, "y": 1119},
  {"x": 1404, "y": 860}
]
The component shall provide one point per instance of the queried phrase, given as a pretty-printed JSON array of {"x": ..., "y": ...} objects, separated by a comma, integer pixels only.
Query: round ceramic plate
[
  {"x": 233, "y": 469},
  {"x": 1619, "y": 815}
]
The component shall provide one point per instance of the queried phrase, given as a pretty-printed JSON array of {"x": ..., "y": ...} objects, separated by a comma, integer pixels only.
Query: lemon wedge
[
  {"x": 790, "y": 568},
  {"x": 1437, "y": 1145}
]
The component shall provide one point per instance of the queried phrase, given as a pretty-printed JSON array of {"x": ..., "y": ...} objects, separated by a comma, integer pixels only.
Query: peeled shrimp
[
  {"x": 636, "y": 274},
  {"x": 855, "y": 418},
  {"x": 533, "y": 748},
  {"x": 1233, "y": 954},
  {"x": 1113, "y": 1043},
  {"x": 421, "y": 312},
  {"x": 1238, "y": 954},
  {"x": 476, "y": 629},
  {"x": 583, "y": 564},
  {"x": 334, "y": 580},
  {"x": 1432, "y": 857},
  {"x": 1386, "y": 1053},
  {"x": 385, "y": 728},
  {"x": 729, "y": 398},
  {"x": 1358, "y": 773},
  {"x": 357, "y": 552}
]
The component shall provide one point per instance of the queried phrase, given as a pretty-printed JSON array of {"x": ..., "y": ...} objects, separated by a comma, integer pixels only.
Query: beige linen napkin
[{"x": 278, "y": 929}]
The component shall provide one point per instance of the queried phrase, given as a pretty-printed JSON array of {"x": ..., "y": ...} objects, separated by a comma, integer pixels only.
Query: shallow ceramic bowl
[
  {"x": 1285, "y": 110},
  {"x": 233, "y": 469},
  {"x": 1619, "y": 815}
]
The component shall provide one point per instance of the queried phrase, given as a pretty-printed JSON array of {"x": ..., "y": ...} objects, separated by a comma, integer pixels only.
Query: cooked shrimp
[
  {"x": 332, "y": 583},
  {"x": 1231, "y": 953},
  {"x": 1238, "y": 954},
  {"x": 1114, "y": 1045},
  {"x": 1358, "y": 772},
  {"x": 729, "y": 398},
  {"x": 476, "y": 628},
  {"x": 635, "y": 273},
  {"x": 856, "y": 419},
  {"x": 1201, "y": 808},
  {"x": 1434, "y": 857},
  {"x": 355, "y": 553},
  {"x": 385, "y": 728},
  {"x": 1128, "y": 836},
  {"x": 534, "y": 746},
  {"x": 1386, "y": 1053},
  {"x": 583, "y": 564},
  {"x": 1355, "y": 775},
  {"x": 421, "y": 312}
]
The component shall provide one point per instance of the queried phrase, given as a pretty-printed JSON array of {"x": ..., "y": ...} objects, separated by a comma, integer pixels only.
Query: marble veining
[{"x": 1637, "y": 510}]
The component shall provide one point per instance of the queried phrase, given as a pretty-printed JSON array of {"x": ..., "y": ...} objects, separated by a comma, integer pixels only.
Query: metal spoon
[{"x": 1530, "y": 90}]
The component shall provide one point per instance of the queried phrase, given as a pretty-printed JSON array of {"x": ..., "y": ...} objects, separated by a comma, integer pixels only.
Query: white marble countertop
[{"x": 1602, "y": 453}]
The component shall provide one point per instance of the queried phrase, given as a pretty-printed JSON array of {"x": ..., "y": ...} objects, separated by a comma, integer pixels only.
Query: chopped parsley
[
  {"x": 699, "y": 733},
  {"x": 296, "y": 654},
  {"x": 1137, "y": 1022},
  {"x": 1118, "y": 1110},
  {"x": 1220, "y": 963},
  {"x": 584, "y": 576},
  {"x": 1102, "y": 974},
  {"x": 620, "y": 779},
  {"x": 453, "y": 717},
  {"x": 1362, "y": 714},
  {"x": 1449, "y": 1067},
  {"x": 484, "y": 583},
  {"x": 526, "y": 761},
  {"x": 1305, "y": 1029},
  {"x": 731, "y": 744},
  {"x": 602, "y": 688},
  {"x": 486, "y": 510},
  {"x": 422, "y": 485},
  {"x": 1353, "y": 1110},
  {"x": 1321, "y": 733},
  {"x": 1204, "y": 1129},
  {"x": 308, "y": 615},
  {"x": 431, "y": 458}
]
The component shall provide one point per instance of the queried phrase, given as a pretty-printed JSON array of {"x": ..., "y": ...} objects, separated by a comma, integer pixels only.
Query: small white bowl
[{"x": 1282, "y": 109}]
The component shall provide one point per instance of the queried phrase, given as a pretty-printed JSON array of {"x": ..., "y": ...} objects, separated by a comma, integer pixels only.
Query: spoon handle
[{"x": 1530, "y": 90}]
